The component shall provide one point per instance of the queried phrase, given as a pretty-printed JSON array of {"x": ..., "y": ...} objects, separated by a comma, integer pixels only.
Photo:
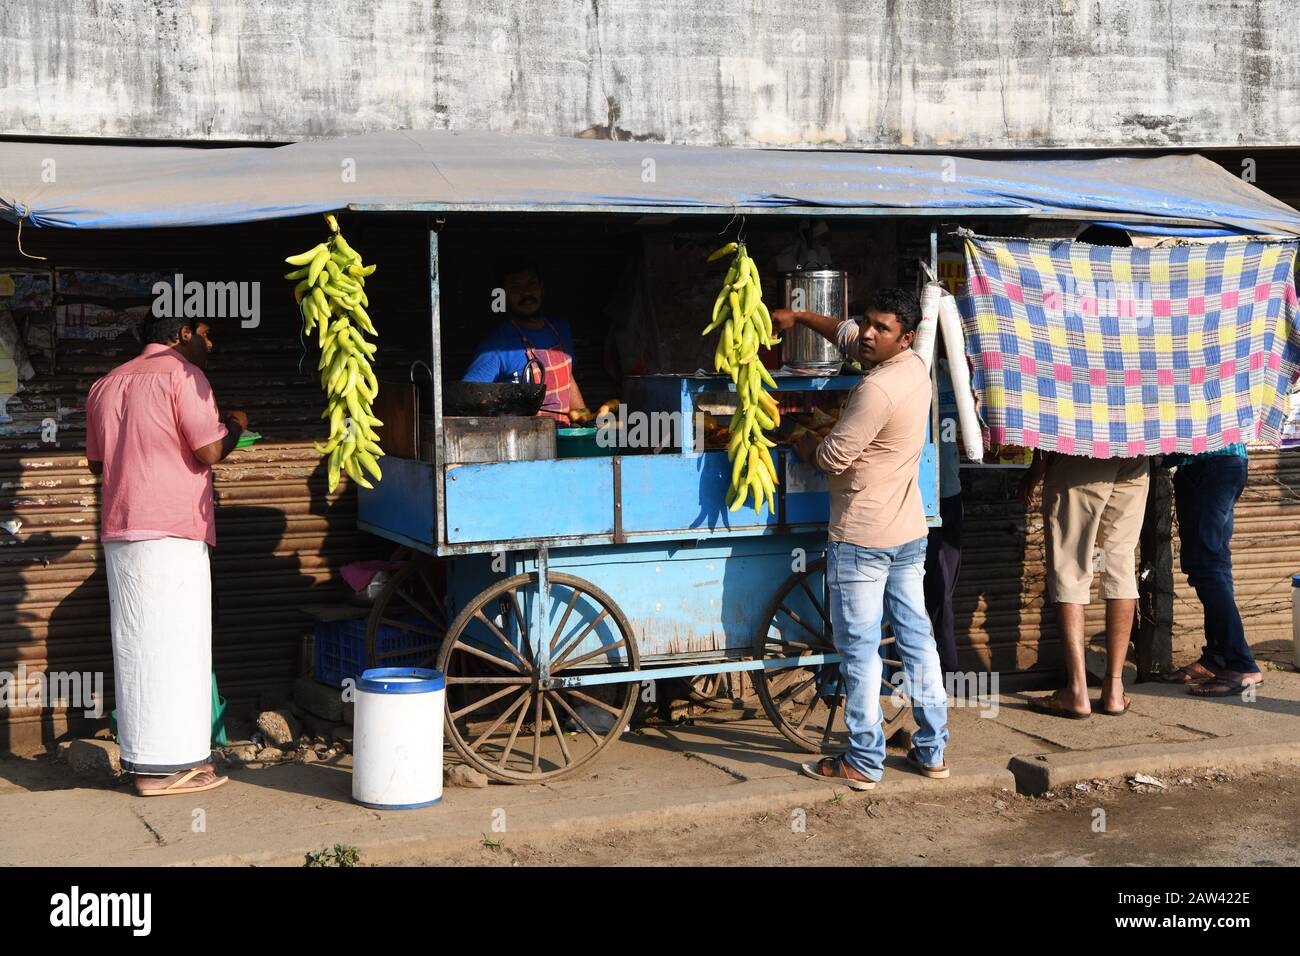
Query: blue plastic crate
[{"x": 339, "y": 648}]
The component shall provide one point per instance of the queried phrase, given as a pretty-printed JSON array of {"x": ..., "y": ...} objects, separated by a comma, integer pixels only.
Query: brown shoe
[{"x": 837, "y": 770}]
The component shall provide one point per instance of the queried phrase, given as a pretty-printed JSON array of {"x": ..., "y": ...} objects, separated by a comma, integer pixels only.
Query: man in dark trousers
[
  {"x": 943, "y": 549},
  {"x": 1206, "y": 489}
]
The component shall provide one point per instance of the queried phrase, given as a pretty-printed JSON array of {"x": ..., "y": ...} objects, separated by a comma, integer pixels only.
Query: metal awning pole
[
  {"x": 435, "y": 373},
  {"x": 934, "y": 367}
]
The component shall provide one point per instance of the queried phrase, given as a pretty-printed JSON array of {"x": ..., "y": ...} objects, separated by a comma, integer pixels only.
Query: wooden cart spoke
[
  {"x": 499, "y": 661},
  {"x": 505, "y": 641},
  {"x": 537, "y": 735},
  {"x": 524, "y": 761},
  {"x": 791, "y": 694},
  {"x": 600, "y": 651},
  {"x": 821, "y": 612},
  {"x": 413, "y": 628},
  {"x": 800, "y": 621},
  {"x": 405, "y": 596},
  {"x": 501, "y": 718},
  {"x": 559, "y": 731},
  {"x": 808, "y": 723},
  {"x": 812, "y": 702},
  {"x": 799, "y": 645},
  {"x": 577, "y": 718},
  {"x": 892, "y": 663},
  {"x": 482, "y": 702},
  {"x": 836, "y": 697},
  {"x": 595, "y": 702},
  {"x": 555, "y": 638},
  {"x": 514, "y": 734},
  {"x": 573, "y": 645}
]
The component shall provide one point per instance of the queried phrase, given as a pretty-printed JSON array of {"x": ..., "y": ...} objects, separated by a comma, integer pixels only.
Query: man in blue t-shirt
[{"x": 528, "y": 347}]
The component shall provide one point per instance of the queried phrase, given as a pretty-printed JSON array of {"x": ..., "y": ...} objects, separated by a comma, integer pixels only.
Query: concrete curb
[
  {"x": 537, "y": 825},
  {"x": 1035, "y": 774}
]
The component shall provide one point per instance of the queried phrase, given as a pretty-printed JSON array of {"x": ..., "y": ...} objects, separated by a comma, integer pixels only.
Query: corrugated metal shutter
[
  {"x": 280, "y": 541},
  {"x": 280, "y": 538}
]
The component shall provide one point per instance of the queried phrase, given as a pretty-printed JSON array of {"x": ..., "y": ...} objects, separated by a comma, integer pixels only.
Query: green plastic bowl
[{"x": 578, "y": 443}]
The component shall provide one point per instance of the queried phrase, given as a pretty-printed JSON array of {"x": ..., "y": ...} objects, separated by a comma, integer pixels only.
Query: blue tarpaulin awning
[{"x": 122, "y": 187}]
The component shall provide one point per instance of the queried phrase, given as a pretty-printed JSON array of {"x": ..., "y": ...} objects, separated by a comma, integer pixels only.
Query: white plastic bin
[{"x": 397, "y": 738}]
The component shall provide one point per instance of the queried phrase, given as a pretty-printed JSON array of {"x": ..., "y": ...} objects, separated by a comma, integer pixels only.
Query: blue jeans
[
  {"x": 867, "y": 585},
  {"x": 1205, "y": 493}
]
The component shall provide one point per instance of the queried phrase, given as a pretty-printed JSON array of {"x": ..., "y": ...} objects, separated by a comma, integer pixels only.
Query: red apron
[{"x": 557, "y": 366}]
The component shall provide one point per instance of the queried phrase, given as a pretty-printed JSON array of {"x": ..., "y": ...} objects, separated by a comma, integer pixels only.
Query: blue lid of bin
[
  {"x": 401, "y": 680},
  {"x": 1295, "y": 581}
]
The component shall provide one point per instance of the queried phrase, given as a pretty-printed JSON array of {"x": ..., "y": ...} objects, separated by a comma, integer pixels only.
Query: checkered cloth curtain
[{"x": 1114, "y": 352}]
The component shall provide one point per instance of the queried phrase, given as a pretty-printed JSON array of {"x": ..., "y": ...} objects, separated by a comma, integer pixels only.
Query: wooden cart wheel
[
  {"x": 733, "y": 690},
  {"x": 807, "y": 703},
  {"x": 409, "y": 603},
  {"x": 498, "y": 719}
]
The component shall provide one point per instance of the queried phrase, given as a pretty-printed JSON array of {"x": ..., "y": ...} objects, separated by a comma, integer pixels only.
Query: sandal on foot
[
  {"x": 837, "y": 770},
  {"x": 1051, "y": 704},
  {"x": 1189, "y": 674},
  {"x": 1101, "y": 708},
  {"x": 939, "y": 772},
  {"x": 183, "y": 784},
  {"x": 1223, "y": 687}
]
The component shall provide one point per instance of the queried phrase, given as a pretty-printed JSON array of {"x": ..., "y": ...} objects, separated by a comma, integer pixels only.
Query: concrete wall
[{"x": 863, "y": 73}]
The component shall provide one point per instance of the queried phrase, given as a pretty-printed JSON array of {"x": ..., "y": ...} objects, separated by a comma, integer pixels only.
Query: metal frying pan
[{"x": 495, "y": 398}]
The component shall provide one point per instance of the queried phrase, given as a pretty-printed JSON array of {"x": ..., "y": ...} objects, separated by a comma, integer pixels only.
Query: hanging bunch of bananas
[
  {"x": 331, "y": 294},
  {"x": 746, "y": 326}
]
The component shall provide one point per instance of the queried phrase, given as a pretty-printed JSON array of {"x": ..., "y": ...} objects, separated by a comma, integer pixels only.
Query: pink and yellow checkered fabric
[{"x": 1114, "y": 352}]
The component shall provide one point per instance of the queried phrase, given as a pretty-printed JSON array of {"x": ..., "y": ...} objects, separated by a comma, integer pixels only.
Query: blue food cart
[{"x": 573, "y": 585}]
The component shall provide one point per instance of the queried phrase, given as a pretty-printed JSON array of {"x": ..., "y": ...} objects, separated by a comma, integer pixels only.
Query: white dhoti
[{"x": 160, "y": 602}]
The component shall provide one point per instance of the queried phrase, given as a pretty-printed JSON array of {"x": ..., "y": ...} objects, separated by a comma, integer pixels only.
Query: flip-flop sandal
[
  {"x": 935, "y": 773},
  {"x": 1184, "y": 675},
  {"x": 1052, "y": 706},
  {"x": 1222, "y": 688},
  {"x": 1101, "y": 709},
  {"x": 179, "y": 786},
  {"x": 833, "y": 770}
]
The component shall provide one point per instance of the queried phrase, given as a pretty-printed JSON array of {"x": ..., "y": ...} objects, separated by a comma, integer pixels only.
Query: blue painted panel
[
  {"x": 402, "y": 503},
  {"x": 696, "y": 601},
  {"x": 510, "y": 500},
  {"x": 670, "y": 492},
  {"x": 700, "y": 601}
]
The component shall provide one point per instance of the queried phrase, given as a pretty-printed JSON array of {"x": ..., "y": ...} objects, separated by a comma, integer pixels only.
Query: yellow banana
[
  {"x": 318, "y": 264},
  {"x": 303, "y": 258}
]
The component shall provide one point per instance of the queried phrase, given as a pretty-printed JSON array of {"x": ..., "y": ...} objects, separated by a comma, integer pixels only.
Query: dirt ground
[{"x": 1139, "y": 825}]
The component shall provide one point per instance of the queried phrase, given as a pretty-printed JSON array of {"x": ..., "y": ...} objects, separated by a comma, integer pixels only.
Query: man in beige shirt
[{"x": 875, "y": 558}]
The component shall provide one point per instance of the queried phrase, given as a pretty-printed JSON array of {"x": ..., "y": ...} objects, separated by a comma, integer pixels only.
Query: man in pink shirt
[{"x": 153, "y": 434}]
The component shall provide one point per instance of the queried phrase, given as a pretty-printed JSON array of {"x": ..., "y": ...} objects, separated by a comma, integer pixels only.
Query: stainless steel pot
[{"x": 825, "y": 291}]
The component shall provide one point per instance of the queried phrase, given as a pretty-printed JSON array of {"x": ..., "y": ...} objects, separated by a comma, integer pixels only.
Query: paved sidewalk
[{"x": 710, "y": 767}]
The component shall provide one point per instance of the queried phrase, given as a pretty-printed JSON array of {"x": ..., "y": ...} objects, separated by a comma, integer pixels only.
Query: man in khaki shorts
[{"x": 1090, "y": 503}]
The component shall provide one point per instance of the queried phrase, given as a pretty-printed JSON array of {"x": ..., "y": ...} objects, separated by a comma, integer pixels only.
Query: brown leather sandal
[
  {"x": 1052, "y": 705},
  {"x": 1188, "y": 674},
  {"x": 837, "y": 770}
]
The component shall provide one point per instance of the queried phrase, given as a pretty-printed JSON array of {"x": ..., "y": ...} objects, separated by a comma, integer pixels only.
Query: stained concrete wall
[{"x": 862, "y": 73}]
